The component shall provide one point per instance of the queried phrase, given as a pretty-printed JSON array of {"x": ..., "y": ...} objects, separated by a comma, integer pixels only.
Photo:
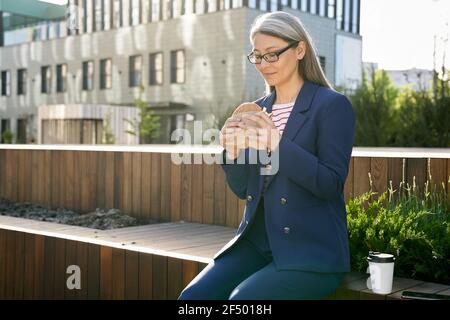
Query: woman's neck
[{"x": 288, "y": 91}]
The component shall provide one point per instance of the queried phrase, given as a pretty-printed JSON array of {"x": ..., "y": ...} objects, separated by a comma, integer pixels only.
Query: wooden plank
[
  {"x": 165, "y": 187},
  {"x": 416, "y": 169},
  {"x": 208, "y": 193},
  {"x": 71, "y": 259},
  {"x": 175, "y": 278},
  {"x": 146, "y": 184},
  {"x": 190, "y": 271},
  {"x": 159, "y": 275},
  {"x": 379, "y": 173},
  {"x": 396, "y": 172},
  {"x": 10, "y": 264},
  {"x": 348, "y": 186},
  {"x": 145, "y": 276},
  {"x": 186, "y": 192},
  {"x": 92, "y": 180},
  {"x": 118, "y": 165},
  {"x": 19, "y": 265},
  {"x": 54, "y": 178},
  {"x": 93, "y": 272},
  {"x": 28, "y": 275},
  {"x": 118, "y": 274},
  {"x": 35, "y": 182},
  {"x": 69, "y": 175},
  {"x": 106, "y": 272},
  {"x": 11, "y": 175},
  {"x": 82, "y": 252},
  {"x": 3, "y": 258},
  {"x": 175, "y": 192},
  {"x": 361, "y": 167},
  {"x": 28, "y": 174},
  {"x": 39, "y": 259},
  {"x": 2, "y": 178},
  {"x": 60, "y": 269},
  {"x": 131, "y": 275},
  {"x": 197, "y": 193},
  {"x": 437, "y": 173},
  {"x": 49, "y": 267},
  {"x": 77, "y": 179},
  {"x": 155, "y": 202},
  {"x": 109, "y": 180},
  {"x": 101, "y": 177},
  {"x": 426, "y": 287},
  {"x": 136, "y": 183},
  {"x": 127, "y": 180},
  {"x": 219, "y": 196}
]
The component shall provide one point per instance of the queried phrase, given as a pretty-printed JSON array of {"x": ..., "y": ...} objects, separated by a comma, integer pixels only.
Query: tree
[
  {"x": 148, "y": 126},
  {"x": 108, "y": 135},
  {"x": 375, "y": 106}
]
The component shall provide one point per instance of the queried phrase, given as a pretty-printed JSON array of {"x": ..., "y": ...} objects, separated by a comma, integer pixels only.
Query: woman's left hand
[{"x": 261, "y": 132}]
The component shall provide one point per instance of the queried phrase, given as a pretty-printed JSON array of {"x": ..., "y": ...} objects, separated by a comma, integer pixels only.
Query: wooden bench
[{"x": 144, "y": 262}]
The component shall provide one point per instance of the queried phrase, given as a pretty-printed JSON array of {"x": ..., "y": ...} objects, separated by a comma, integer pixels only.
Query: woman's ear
[{"x": 301, "y": 50}]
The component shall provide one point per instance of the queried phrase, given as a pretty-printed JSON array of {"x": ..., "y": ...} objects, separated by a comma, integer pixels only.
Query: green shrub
[{"x": 415, "y": 229}]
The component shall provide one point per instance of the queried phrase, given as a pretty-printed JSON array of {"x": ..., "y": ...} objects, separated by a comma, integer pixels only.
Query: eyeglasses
[{"x": 269, "y": 56}]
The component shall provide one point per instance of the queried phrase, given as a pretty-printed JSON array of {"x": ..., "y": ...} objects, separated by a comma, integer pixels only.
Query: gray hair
[{"x": 288, "y": 27}]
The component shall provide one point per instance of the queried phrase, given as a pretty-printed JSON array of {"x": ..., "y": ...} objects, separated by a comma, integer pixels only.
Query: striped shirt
[{"x": 280, "y": 115}]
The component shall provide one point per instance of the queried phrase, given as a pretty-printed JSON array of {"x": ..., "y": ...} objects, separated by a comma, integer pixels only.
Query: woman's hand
[
  {"x": 261, "y": 132},
  {"x": 232, "y": 137}
]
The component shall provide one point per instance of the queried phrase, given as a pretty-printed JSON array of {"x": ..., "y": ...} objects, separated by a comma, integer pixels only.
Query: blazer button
[
  {"x": 286, "y": 230},
  {"x": 249, "y": 198},
  {"x": 283, "y": 201}
]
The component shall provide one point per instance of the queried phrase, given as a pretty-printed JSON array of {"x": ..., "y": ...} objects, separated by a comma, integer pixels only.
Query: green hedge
[{"x": 413, "y": 225}]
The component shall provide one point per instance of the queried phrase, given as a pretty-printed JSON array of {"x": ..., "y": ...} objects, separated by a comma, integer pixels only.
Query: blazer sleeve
[
  {"x": 236, "y": 174},
  {"x": 324, "y": 175}
]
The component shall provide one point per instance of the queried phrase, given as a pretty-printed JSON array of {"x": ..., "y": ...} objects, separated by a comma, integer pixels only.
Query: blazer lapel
[{"x": 296, "y": 119}]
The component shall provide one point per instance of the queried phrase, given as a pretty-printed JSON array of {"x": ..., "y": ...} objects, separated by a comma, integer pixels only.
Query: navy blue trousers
[{"x": 248, "y": 272}]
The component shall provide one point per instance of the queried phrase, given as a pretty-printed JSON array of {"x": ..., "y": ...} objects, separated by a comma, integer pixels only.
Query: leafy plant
[
  {"x": 7, "y": 136},
  {"x": 108, "y": 135},
  {"x": 416, "y": 230}
]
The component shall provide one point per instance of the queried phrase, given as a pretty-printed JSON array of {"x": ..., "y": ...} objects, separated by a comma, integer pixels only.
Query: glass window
[
  {"x": 61, "y": 77},
  {"x": 135, "y": 12},
  {"x": 304, "y": 5},
  {"x": 263, "y": 5},
  {"x": 177, "y": 66},
  {"x": 46, "y": 79},
  {"x": 88, "y": 75},
  {"x": 252, "y": 4},
  {"x": 6, "y": 83},
  {"x": 294, "y": 4},
  {"x": 212, "y": 5},
  {"x": 273, "y": 5},
  {"x": 106, "y": 73},
  {"x": 284, "y": 2},
  {"x": 339, "y": 13},
  {"x": 135, "y": 71},
  {"x": 322, "y": 61},
  {"x": 156, "y": 68},
  {"x": 199, "y": 6},
  {"x": 355, "y": 16},
  {"x": 156, "y": 10},
  {"x": 118, "y": 20},
  {"x": 347, "y": 15},
  {"x": 322, "y": 8},
  {"x": 98, "y": 15},
  {"x": 331, "y": 8},
  {"x": 21, "y": 81},
  {"x": 107, "y": 15},
  {"x": 313, "y": 6}
]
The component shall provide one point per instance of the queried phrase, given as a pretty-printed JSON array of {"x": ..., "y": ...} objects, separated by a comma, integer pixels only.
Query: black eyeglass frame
[{"x": 277, "y": 53}]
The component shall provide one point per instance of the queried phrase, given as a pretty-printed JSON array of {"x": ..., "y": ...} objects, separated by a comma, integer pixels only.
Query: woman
[{"x": 292, "y": 242}]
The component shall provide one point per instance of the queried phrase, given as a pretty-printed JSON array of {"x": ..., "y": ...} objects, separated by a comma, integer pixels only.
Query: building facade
[{"x": 185, "y": 58}]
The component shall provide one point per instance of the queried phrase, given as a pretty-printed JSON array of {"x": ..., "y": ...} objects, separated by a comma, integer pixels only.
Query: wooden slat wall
[
  {"x": 149, "y": 185},
  {"x": 34, "y": 267}
]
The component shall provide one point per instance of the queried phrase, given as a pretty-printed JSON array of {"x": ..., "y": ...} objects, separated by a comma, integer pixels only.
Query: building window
[
  {"x": 294, "y": 4},
  {"x": 331, "y": 8},
  {"x": 135, "y": 73},
  {"x": 177, "y": 66},
  {"x": 355, "y": 14},
  {"x": 46, "y": 79},
  {"x": 347, "y": 15},
  {"x": 21, "y": 131},
  {"x": 263, "y": 5},
  {"x": 273, "y": 5},
  {"x": 322, "y": 61},
  {"x": 105, "y": 74},
  {"x": 61, "y": 77},
  {"x": 21, "y": 81},
  {"x": 156, "y": 68},
  {"x": 117, "y": 9},
  {"x": 88, "y": 75},
  {"x": 98, "y": 15},
  {"x": 339, "y": 13},
  {"x": 313, "y": 6},
  {"x": 322, "y": 8},
  {"x": 6, "y": 125},
  {"x": 156, "y": 10},
  {"x": 6, "y": 83},
  {"x": 107, "y": 14},
  {"x": 135, "y": 12},
  {"x": 304, "y": 5},
  {"x": 284, "y": 2}
]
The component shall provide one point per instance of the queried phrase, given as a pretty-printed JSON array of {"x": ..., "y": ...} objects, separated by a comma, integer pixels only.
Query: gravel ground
[{"x": 103, "y": 219}]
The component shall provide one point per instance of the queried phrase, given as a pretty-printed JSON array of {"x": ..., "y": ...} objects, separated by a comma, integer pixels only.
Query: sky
[{"x": 398, "y": 34}]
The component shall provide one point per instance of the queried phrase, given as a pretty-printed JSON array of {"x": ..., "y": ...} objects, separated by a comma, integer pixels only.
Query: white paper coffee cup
[{"x": 381, "y": 269}]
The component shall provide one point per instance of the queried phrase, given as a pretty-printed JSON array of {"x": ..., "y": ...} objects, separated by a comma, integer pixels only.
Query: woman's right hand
[{"x": 231, "y": 137}]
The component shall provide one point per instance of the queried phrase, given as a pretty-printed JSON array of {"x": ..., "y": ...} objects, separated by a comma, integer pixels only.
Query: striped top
[{"x": 280, "y": 115}]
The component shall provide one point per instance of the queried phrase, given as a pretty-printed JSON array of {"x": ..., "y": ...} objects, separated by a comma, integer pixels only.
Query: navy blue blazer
[{"x": 305, "y": 212}]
